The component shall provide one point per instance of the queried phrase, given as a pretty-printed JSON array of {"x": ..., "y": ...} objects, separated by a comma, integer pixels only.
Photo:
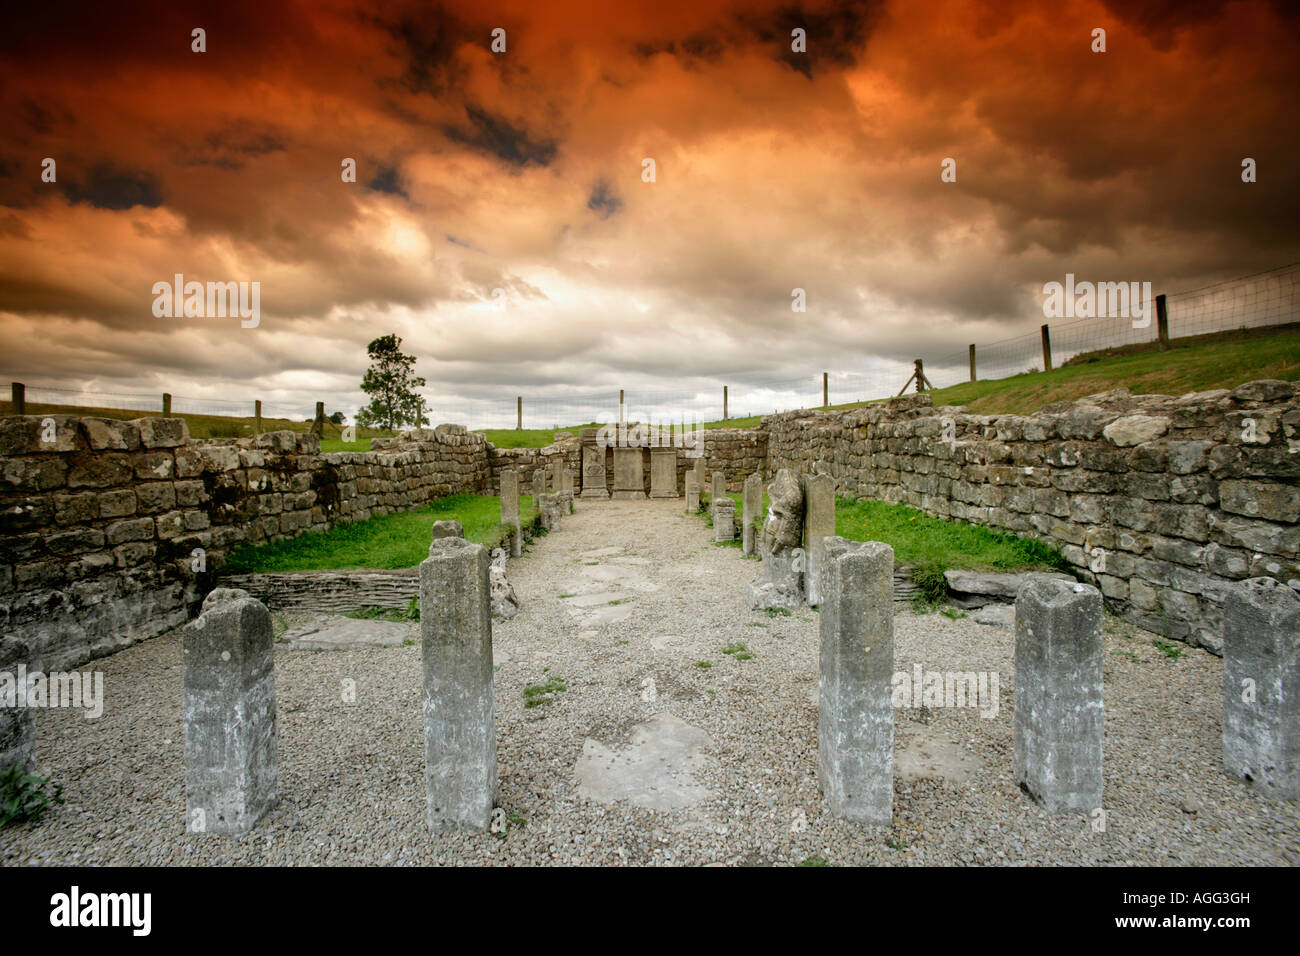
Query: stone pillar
[
  {"x": 752, "y": 502},
  {"x": 692, "y": 492},
  {"x": 781, "y": 582},
  {"x": 1058, "y": 698},
  {"x": 855, "y": 731},
  {"x": 717, "y": 487},
  {"x": 556, "y": 469},
  {"x": 724, "y": 520},
  {"x": 701, "y": 477},
  {"x": 663, "y": 473},
  {"x": 566, "y": 486},
  {"x": 231, "y": 751},
  {"x": 551, "y": 509},
  {"x": 1261, "y": 686},
  {"x": 818, "y": 524},
  {"x": 510, "y": 510},
  {"x": 593, "y": 466},
  {"x": 629, "y": 474},
  {"x": 460, "y": 741},
  {"x": 17, "y": 724},
  {"x": 539, "y": 481}
]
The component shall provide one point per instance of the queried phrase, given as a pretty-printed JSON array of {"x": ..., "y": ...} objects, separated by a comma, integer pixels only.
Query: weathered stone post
[
  {"x": 818, "y": 524},
  {"x": 566, "y": 487},
  {"x": 539, "y": 481},
  {"x": 1261, "y": 686},
  {"x": 701, "y": 478},
  {"x": 629, "y": 473},
  {"x": 717, "y": 487},
  {"x": 460, "y": 742},
  {"x": 724, "y": 519},
  {"x": 17, "y": 724},
  {"x": 593, "y": 465},
  {"x": 663, "y": 472},
  {"x": 1058, "y": 697},
  {"x": 551, "y": 508},
  {"x": 510, "y": 510},
  {"x": 781, "y": 582},
  {"x": 231, "y": 750},
  {"x": 692, "y": 492},
  {"x": 855, "y": 734},
  {"x": 752, "y": 502}
]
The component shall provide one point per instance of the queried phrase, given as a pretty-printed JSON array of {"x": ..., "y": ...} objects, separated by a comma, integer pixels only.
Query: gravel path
[{"x": 625, "y": 594}]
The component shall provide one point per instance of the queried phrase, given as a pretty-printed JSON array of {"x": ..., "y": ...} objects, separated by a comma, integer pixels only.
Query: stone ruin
[{"x": 781, "y": 584}]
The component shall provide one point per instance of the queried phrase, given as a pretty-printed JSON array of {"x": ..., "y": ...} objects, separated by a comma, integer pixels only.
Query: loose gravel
[{"x": 621, "y": 593}]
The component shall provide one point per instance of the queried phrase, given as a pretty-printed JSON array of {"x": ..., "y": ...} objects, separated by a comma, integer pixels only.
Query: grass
[
  {"x": 529, "y": 437},
  {"x": 410, "y": 613},
  {"x": 704, "y": 665},
  {"x": 814, "y": 861},
  {"x": 777, "y": 612},
  {"x": 537, "y": 694},
  {"x": 1193, "y": 364},
  {"x": 387, "y": 542},
  {"x": 1171, "y": 651},
  {"x": 738, "y": 651},
  {"x": 932, "y": 545},
  {"x": 23, "y": 796}
]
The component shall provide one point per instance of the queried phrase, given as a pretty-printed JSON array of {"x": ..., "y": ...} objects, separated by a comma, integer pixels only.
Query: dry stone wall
[
  {"x": 110, "y": 530},
  {"x": 1161, "y": 502}
]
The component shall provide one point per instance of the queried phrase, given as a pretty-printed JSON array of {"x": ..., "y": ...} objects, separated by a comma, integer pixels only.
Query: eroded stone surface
[{"x": 655, "y": 769}]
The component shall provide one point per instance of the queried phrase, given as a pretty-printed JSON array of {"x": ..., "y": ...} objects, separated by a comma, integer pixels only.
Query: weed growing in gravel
[
  {"x": 590, "y": 563},
  {"x": 814, "y": 861},
  {"x": 806, "y": 620},
  {"x": 896, "y": 843},
  {"x": 535, "y": 694},
  {"x": 1171, "y": 651},
  {"x": 408, "y": 643},
  {"x": 619, "y": 601},
  {"x": 1129, "y": 654},
  {"x": 952, "y": 614},
  {"x": 704, "y": 665},
  {"x": 739, "y": 651},
  {"x": 563, "y": 596},
  {"x": 758, "y": 623},
  {"x": 515, "y": 820},
  {"x": 778, "y": 612},
  {"x": 23, "y": 796}
]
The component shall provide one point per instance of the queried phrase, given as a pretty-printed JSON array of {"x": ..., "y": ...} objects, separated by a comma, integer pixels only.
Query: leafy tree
[
  {"x": 391, "y": 383},
  {"x": 338, "y": 418}
]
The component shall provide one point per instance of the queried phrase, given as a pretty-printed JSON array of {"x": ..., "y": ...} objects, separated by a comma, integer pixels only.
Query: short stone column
[
  {"x": 551, "y": 509},
  {"x": 539, "y": 481},
  {"x": 593, "y": 466},
  {"x": 1261, "y": 686},
  {"x": 663, "y": 473},
  {"x": 717, "y": 487},
  {"x": 460, "y": 741},
  {"x": 701, "y": 476},
  {"x": 510, "y": 510},
  {"x": 566, "y": 487},
  {"x": 231, "y": 749},
  {"x": 752, "y": 507},
  {"x": 1058, "y": 697},
  {"x": 724, "y": 520},
  {"x": 629, "y": 474},
  {"x": 17, "y": 724},
  {"x": 818, "y": 524},
  {"x": 855, "y": 731},
  {"x": 692, "y": 492}
]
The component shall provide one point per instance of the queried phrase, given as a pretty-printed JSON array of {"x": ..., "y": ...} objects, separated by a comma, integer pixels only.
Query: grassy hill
[{"x": 1196, "y": 363}]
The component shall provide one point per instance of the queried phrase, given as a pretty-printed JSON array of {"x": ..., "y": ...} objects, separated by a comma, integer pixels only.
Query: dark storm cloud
[
  {"x": 498, "y": 137},
  {"x": 603, "y": 200},
  {"x": 108, "y": 186},
  {"x": 387, "y": 181}
]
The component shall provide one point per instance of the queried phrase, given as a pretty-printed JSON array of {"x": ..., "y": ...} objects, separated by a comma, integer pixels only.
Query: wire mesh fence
[{"x": 1262, "y": 299}]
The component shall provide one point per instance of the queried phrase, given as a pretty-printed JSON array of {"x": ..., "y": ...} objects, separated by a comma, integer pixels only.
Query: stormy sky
[{"x": 522, "y": 172}]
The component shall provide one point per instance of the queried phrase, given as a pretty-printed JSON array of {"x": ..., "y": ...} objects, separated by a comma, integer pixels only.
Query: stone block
[
  {"x": 855, "y": 737},
  {"x": 1058, "y": 694},
  {"x": 231, "y": 750},
  {"x": 459, "y": 706}
]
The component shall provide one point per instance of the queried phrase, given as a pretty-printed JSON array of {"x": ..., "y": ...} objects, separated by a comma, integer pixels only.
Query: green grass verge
[
  {"x": 384, "y": 543},
  {"x": 529, "y": 437}
]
